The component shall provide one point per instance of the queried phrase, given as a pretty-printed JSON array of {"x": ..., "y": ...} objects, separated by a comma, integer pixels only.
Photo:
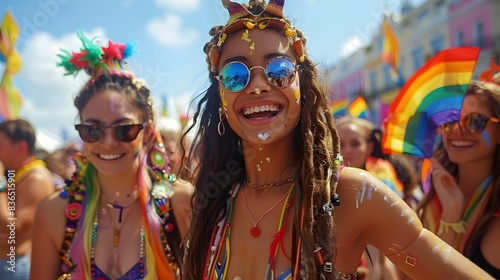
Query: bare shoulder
[
  {"x": 183, "y": 189},
  {"x": 53, "y": 205},
  {"x": 50, "y": 218}
]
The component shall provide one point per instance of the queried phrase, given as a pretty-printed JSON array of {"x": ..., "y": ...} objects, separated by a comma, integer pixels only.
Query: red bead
[{"x": 255, "y": 232}]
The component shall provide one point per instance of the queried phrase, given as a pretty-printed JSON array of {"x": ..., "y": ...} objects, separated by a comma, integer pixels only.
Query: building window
[
  {"x": 479, "y": 34},
  {"x": 418, "y": 58},
  {"x": 459, "y": 40},
  {"x": 437, "y": 44}
]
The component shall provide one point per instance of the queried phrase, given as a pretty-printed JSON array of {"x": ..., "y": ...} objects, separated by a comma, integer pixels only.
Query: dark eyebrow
[{"x": 117, "y": 121}]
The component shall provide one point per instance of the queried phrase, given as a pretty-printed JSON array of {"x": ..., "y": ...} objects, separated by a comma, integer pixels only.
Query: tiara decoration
[
  {"x": 240, "y": 18},
  {"x": 489, "y": 74},
  {"x": 95, "y": 59}
]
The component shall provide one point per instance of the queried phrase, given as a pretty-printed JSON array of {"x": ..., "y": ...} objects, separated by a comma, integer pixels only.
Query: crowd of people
[{"x": 263, "y": 183}]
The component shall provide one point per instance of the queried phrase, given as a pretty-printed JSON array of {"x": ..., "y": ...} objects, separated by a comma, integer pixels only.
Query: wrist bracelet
[{"x": 458, "y": 227}]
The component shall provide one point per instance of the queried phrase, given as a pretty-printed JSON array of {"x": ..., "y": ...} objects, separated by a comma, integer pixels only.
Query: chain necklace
[{"x": 270, "y": 185}]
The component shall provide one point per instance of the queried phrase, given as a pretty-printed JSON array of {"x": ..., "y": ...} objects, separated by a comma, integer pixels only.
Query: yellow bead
[
  {"x": 262, "y": 26},
  {"x": 290, "y": 32},
  {"x": 250, "y": 25}
]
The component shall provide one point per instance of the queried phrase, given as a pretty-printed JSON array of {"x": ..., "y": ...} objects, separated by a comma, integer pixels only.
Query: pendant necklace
[{"x": 255, "y": 231}]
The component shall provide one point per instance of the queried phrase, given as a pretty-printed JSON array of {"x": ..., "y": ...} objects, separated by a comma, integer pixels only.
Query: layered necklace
[
  {"x": 94, "y": 240},
  {"x": 222, "y": 232}
]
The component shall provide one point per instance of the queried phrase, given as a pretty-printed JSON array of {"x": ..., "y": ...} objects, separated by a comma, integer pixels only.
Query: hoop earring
[{"x": 221, "y": 129}]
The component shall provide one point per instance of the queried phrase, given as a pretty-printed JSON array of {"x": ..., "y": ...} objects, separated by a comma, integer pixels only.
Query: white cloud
[
  {"x": 179, "y": 5},
  {"x": 48, "y": 94},
  {"x": 351, "y": 45},
  {"x": 170, "y": 32}
]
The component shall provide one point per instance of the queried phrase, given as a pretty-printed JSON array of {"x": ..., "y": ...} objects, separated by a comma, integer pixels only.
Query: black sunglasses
[
  {"x": 235, "y": 76},
  {"x": 475, "y": 123},
  {"x": 91, "y": 133}
]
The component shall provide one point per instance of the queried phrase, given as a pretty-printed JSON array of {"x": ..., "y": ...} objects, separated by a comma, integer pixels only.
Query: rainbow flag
[
  {"x": 358, "y": 108},
  {"x": 10, "y": 98},
  {"x": 339, "y": 107},
  {"x": 431, "y": 97},
  {"x": 390, "y": 52}
]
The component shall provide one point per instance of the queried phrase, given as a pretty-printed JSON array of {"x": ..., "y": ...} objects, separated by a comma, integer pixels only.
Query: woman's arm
[
  {"x": 181, "y": 203},
  {"x": 385, "y": 221},
  {"x": 48, "y": 235}
]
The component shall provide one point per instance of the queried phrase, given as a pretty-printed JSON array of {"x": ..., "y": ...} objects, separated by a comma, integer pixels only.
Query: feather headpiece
[{"x": 96, "y": 59}]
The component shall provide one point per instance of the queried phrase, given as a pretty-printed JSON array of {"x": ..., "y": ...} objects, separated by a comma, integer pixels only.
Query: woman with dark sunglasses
[
  {"x": 115, "y": 219},
  {"x": 463, "y": 204},
  {"x": 266, "y": 202}
]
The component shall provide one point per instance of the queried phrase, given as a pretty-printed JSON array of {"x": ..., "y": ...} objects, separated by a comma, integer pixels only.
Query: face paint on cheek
[
  {"x": 223, "y": 98},
  {"x": 486, "y": 138}
]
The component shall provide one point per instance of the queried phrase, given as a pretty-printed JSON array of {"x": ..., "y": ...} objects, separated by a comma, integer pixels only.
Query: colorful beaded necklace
[
  {"x": 223, "y": 228},
  {"x": 94, "y": 240}
]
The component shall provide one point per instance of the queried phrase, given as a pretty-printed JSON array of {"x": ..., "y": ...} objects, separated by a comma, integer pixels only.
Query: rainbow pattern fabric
[
  {"x": 339, "y": 107},
  {"x": 431, "y": 97},
  {"x": 10, "y": 98},
  {"x": 358, "y": 108}
]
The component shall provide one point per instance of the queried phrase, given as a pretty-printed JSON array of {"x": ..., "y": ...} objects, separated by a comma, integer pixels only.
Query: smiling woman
[
  {"x": 116, "y": 217},
  {"x": 269, "y": 171}
]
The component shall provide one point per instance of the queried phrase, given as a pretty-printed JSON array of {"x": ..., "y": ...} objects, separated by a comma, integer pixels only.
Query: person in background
[
  {"x": 463, "y": 204},
  {"x": 61, "y": 165},
  {"x": 123, "y": 215},
  {"x": 27, "y": 182},
  {"x": 271, "y": 200}
]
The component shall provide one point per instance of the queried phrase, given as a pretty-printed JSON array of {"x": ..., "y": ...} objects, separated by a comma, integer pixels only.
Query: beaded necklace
[
  {"x": 92, "y": 249},
  {"x": 223, "y": 229}
]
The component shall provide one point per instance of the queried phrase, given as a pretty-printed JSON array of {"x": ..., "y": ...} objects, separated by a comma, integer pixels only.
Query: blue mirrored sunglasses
[{"x": 235, "y": 76}]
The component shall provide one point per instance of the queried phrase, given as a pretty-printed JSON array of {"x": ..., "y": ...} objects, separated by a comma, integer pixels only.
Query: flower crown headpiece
[
  {"x": 240, "y": 18},
  {"x": 96, "y": 59},
  {"x": 492, "y": 74}
]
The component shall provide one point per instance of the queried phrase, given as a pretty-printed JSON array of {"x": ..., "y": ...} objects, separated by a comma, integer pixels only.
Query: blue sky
[{"x": 170, "y": 36}]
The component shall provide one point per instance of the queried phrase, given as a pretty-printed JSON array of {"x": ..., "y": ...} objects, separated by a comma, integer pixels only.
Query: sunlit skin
[
  {"x": 473, "y": 149},
  {"x": 370, "y": 213},
  {"x": 474, "y": 154},
  {"x": 249, "y": 262},
  {"x": 109, "y": 155},
  {"x": 286, "y": 98},
  {"x": 354, "y": 145}
]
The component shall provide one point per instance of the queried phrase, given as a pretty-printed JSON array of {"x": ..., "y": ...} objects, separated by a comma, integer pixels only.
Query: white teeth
[
  {"x": 262, "y": 108},
  {"x": 109, "y": 157},
  {"x": 462, "y": 143}
]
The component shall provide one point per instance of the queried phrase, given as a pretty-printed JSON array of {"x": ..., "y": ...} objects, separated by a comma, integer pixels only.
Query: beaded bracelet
[{"x": 458, "y": 227}]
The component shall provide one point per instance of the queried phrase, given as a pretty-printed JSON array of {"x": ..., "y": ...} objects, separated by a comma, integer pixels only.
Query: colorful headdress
[
  {"x": 492, "y": 74},
  {"x": 96, "y": 59},
  {"x": 240, "y": 18}
]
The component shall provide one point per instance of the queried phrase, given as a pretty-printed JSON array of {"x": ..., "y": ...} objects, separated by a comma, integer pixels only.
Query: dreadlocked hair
[
  {"x": 221, "y": 165},
  {"x": 490, "y": 92}
]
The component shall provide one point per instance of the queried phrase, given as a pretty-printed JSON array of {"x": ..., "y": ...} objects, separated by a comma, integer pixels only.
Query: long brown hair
[
  {"x": 222, "y": 165},
  {"x": 491, "y": 93}
]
